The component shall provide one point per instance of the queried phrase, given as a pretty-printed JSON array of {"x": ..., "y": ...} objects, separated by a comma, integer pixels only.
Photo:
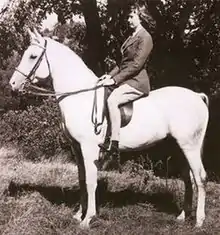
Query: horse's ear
[
  {"x": 38, "y": 35},
  {"x": 31, "y": 34},
  {"x": 35, "y": 37}
]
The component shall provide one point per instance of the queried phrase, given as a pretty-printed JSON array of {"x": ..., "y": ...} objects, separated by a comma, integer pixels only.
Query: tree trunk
[{"x": 95, "y": 54}]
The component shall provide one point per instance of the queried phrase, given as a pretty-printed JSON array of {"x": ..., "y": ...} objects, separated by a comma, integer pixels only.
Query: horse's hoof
[
  {"x": 199, "y": 223},
  {"x": 106, "y": 165},
  {"x": 85, "y": 223},
  {"x": 98, "y": 164},
  {"x": 181, "y": 217},
  {"x": 78, "y": 216}
]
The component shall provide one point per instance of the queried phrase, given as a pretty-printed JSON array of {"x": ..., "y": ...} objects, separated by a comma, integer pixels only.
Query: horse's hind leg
[
  {"x": 193, "y": 156},
  {"x": 187, "y": 207},
  {"x": 90, "y": 153}
]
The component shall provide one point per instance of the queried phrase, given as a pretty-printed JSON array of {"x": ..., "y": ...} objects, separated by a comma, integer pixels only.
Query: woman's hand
[
  {"x": 106, "y": 80},
  {"x": 104, "y": 77}
]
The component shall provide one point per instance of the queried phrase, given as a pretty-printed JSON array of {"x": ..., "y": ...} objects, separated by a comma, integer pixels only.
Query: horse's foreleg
[
  {"x": 90, "y": 155},
  {"x": 78, "y": 215},
  {"x": 81, "y": 176}
]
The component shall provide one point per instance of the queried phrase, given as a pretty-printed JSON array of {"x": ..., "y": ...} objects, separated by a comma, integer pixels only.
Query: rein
[
  {"x": 61, "y": 95},
  {"x": 47, "y": 93},
  {"x": 44, "y": 92},
  {"x": 34, "y": 69}
]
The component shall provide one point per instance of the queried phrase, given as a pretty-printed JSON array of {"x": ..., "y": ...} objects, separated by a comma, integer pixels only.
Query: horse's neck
[
  {"x": 69, "y": 74},
  {"x": 68, "y": 70}
]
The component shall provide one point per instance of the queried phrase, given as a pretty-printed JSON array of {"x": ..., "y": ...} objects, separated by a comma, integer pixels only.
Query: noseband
[
  {"x": 36, "y": 66},
  {"x": 59, "y": 95}
]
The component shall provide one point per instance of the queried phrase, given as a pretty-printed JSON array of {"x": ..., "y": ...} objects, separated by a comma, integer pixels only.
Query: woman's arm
[
  {"x": 114, "y": 71},
  {"x": 134, "y": 66}
]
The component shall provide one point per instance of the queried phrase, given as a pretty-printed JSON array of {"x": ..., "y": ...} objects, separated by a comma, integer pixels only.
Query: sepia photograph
[{"x": 109, "y": 117}]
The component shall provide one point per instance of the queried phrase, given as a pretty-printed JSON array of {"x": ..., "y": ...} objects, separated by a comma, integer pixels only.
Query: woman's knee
[{"x": 113, "y": 99}]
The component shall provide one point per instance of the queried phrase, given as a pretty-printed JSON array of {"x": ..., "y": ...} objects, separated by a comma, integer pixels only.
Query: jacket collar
[{"x": 131, "y": 39}]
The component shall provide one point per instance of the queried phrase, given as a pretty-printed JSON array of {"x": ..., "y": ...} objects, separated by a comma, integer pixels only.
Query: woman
[{"x": 129, "y": 77}]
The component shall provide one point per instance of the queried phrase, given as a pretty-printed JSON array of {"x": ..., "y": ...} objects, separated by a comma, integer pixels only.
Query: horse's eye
[{"x": 33, "y": 56}]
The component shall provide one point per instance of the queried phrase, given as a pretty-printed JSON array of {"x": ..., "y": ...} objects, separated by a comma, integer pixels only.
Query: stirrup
[
  {"x": 109, "y": 149},
  {"x": 114, "y": 150},
  {"x": 104, "y": 147}
]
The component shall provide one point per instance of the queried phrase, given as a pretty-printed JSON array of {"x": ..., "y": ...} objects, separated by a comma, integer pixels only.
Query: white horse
[{"x": 175, "y": 111}]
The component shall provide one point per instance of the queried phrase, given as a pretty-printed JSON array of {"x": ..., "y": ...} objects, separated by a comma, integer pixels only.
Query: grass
[{"x": 40, "y": 198}]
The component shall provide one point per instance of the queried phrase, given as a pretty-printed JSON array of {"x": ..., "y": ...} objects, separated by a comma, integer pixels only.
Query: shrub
[{"x": 35, "y": 130}]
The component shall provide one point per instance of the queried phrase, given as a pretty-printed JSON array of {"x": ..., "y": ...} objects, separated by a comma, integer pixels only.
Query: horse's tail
[{"x": 205, "y": 98}]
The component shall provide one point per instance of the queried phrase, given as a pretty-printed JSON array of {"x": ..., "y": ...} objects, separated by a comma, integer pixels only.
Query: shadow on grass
[
  {"x": 55, "y": 195},
  {"x": 162, "y": 201}
]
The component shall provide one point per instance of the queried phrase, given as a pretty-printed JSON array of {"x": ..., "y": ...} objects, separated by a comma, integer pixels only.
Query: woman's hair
[{"x": 146, "y": 19}]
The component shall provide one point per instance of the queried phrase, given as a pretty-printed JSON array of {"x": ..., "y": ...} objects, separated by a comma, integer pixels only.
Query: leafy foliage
[
  {"x": 186, "y": 36},
  {"x": 35, "y": 130},
  {"x": 73, "y": 34}
]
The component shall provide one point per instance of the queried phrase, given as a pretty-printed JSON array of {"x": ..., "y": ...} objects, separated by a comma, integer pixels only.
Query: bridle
[
  {"x": 59, "y": 95},
  {"x": 36, "y": 66},
  {"x": 42, "y": 91}
]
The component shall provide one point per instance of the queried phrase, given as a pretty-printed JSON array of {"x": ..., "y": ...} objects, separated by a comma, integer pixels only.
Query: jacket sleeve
[
  {"x": 114, "y": 71},
  {"x": 134, "y": 66}
]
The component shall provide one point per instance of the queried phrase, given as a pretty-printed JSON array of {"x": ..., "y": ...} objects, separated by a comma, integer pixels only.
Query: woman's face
[{"x": 133, "y": 19}]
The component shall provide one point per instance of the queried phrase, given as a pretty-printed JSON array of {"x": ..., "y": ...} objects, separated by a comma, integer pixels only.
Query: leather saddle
[
  {"x": 126, "y": 115},
  {"x": 126, "y": 109}
]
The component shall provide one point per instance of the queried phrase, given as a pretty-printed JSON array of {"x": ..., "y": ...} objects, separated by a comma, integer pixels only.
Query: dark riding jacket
[{"x": 131, "y": 70}]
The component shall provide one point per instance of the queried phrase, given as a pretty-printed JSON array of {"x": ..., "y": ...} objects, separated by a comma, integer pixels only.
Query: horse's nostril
[{"x": 13, "y": 83}]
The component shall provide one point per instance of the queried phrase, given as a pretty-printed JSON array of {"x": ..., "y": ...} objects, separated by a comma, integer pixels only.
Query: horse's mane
[
  {"x": 71, "y": 54},
  {"x": 62, "y": 46}
]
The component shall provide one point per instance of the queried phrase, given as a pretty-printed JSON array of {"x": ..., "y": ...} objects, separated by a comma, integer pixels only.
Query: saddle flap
[
  {"x": 100, "y": 110},
  {"x": 126, "y": 113},
  {"x": 125, "y": 109}
]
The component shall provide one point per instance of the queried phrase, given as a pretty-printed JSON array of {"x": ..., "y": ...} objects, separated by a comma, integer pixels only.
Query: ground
[{"x": 40, "y": 198}]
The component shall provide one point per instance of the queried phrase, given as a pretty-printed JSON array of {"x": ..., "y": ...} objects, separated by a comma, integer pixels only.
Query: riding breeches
[{"x": 121, "y": 95}]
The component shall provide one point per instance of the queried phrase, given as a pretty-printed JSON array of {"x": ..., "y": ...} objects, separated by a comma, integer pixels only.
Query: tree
[
  {"x": 186, "y": 42},
  {"x": 19, "y": 13},
  {"x": 186, "y": 36}
]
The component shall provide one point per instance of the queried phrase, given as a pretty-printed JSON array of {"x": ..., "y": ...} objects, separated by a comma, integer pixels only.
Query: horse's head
[{"x": 34, "y": 63}]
